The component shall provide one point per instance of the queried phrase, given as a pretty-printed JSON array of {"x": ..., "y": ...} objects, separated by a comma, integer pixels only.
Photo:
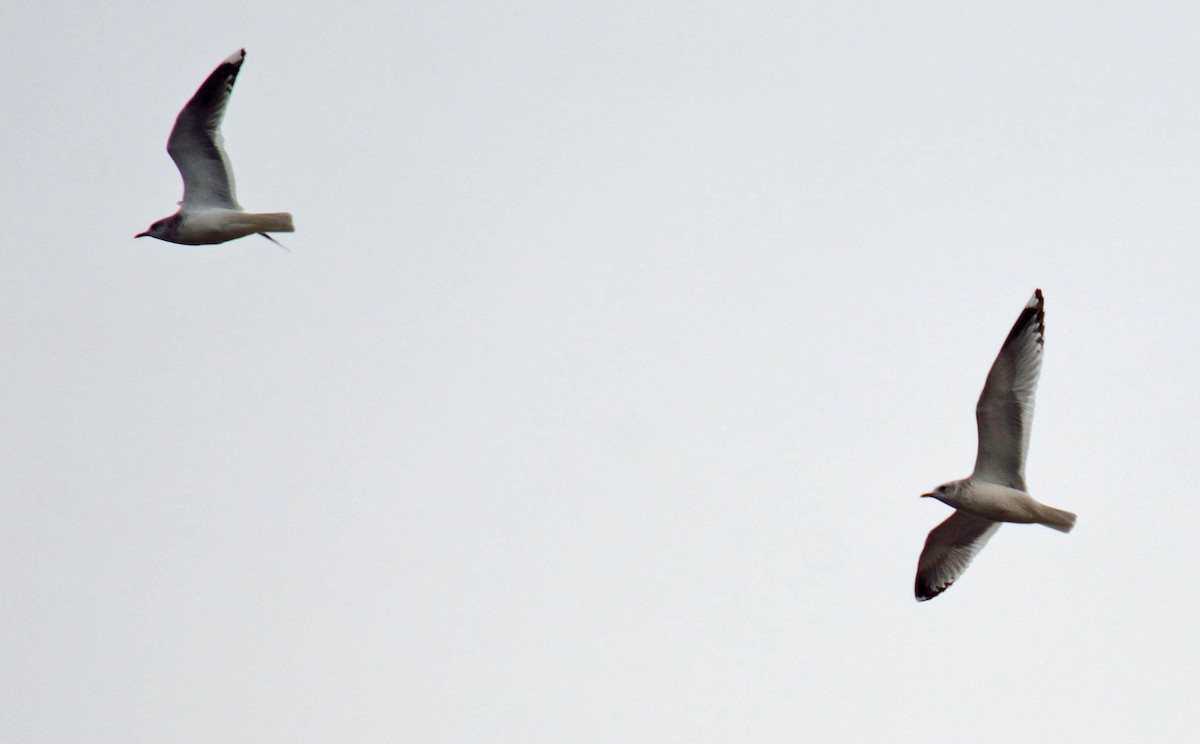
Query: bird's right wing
[
  {"x": 196, "y": 145},
  {"x": 949, "y": 550}
]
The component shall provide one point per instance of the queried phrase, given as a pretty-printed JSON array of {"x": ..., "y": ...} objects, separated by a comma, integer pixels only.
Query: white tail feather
[
  {"x": 1058, "y": 519},
  {"x": 271, "y": 222}
]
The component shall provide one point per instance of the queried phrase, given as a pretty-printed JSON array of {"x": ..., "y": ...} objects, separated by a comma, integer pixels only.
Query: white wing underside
[
  {"x": 196, "y": 144},
  {"x": 948, "y": 551},
  {"x": 1004, "y": 413}
]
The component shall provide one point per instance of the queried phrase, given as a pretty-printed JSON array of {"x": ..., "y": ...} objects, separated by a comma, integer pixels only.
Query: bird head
[
  {"x": 154, "y": 230},
  {"x": 946, "y": 493},
  {"x": 164, "y": 229}
]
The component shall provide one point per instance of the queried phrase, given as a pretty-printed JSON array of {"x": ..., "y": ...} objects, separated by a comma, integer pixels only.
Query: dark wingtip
[
  {"x": 926, "y": 592},
  {"x": 235, "y": 59},
  {"x": 1040, "y": 304},
  {"x": 1037, "y": 303},
  {"x": 1034, "y": 310}
]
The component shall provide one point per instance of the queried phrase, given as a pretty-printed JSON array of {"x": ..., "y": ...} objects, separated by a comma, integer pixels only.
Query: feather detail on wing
[
  {"x": 196, "y": 144},
  {"x": 948, "y": 551},
  {"x": 1004, "y": 413}
]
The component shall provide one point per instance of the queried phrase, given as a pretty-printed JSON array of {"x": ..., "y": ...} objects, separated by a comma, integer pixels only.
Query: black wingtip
[
  {"x": 234, "y": 60},
  {"x": 1037, "y": 302},
  {"x": 1040, "y": 306},
  {"x": 1035, "y": 311},
  {"x": 925, "y": 592}
]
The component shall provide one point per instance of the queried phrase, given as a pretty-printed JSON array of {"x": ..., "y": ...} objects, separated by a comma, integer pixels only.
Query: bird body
[
  {"x": 217, "y": 225},
  {"x": 1001, "y": 503},
  {"x": 995, "y": 492},
  {"x": 210, "y": 213}
]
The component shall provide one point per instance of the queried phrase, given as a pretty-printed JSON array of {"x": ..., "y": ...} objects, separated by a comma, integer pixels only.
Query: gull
[
  {"x": 209, "y": 212},
  {"x": 996, "y": 491}
]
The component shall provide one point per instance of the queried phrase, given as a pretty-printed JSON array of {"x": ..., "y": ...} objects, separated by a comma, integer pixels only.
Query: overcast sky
[{"x": 593, "y": 400}]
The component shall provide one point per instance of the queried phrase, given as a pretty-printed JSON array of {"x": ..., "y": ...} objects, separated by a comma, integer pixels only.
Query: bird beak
[
  {"x": 142, "y": 235},
  {"x": 926, "y": 495}
]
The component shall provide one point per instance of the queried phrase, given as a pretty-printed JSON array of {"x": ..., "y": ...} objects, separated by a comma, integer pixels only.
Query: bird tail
[
  {"x": 1058, "y": 519},
  {"x": 272, "y": 222}
]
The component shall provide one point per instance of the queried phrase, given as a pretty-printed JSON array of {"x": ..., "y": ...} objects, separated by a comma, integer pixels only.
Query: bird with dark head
[{"x": 209, "y": 212}]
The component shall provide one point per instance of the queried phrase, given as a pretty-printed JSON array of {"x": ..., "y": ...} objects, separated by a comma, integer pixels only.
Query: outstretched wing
[
  {"x": 196, "y": 145},
  {"x": 1004, "y": 413},
  {"x": 949, "y": 550}
]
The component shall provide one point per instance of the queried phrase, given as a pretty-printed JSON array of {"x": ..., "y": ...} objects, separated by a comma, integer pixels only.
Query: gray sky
[{"x": 592, "y": 403}]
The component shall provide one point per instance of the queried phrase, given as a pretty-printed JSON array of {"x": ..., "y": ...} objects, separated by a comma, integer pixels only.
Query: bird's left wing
[
  {"x": 196, "y": 144},
  {"x": 1004, "y": 413}
]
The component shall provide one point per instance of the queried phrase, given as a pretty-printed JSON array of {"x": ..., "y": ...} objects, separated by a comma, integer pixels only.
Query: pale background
[{"x": 593, "y": 400}]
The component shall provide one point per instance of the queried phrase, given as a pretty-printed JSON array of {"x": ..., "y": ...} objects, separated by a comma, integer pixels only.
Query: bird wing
[
  {"x": 1004, "y": 413},
  {"x": 949, "y": 550},
  {"x": 196, "y": 144}
]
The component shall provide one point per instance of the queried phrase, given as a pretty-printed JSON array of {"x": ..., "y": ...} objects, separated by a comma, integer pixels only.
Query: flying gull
[
  {"x": 996, "y": 491},
  {"x": 209, "y": 212}
]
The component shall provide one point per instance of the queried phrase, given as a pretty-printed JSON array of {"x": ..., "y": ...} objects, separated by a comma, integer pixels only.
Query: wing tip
[
  {"x": 236, "y": 58},
  {"x": 1040, "y": 304},
  {"x": 1034, "y": 310},
  {"x": 925, "y": 592}
]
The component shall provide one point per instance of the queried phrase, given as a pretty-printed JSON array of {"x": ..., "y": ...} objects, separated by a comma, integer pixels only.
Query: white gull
[
  {"x": 996, "y": 491},
  {"x": 209, "y": 212}
]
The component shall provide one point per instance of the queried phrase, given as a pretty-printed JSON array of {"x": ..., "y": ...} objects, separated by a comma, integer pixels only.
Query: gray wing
[
  {"x": 949, "y": 550},
  {"x": 1004, "y": 413},
  {"x": 196, "y": 145}
]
